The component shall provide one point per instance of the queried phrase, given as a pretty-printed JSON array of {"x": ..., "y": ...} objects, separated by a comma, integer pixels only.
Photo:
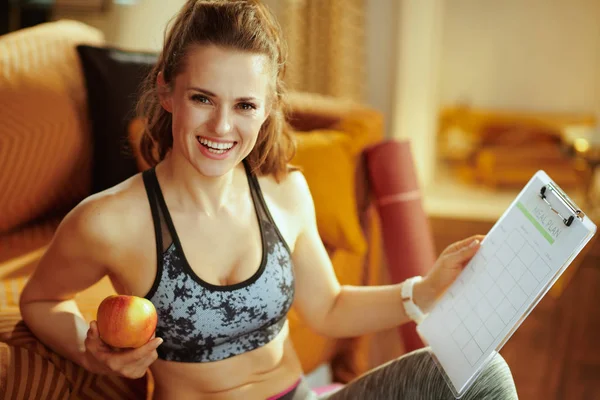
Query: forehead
[{"x": 226, "y": 72}]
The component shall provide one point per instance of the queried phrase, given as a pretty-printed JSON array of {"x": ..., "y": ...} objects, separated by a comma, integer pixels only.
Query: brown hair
[{"x": 245, "y": 25}]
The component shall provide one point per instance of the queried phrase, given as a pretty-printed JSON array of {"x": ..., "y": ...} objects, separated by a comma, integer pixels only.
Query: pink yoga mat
[{"x": 407, "y": 239}]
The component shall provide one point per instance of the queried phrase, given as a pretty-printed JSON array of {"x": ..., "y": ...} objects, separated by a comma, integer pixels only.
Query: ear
[{"x": 164, "y": 93}]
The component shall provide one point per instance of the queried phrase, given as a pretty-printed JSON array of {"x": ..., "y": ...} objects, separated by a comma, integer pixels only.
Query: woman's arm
[
  {"x": 75, "y": 260},
  {"x": 345, "y": 311}
]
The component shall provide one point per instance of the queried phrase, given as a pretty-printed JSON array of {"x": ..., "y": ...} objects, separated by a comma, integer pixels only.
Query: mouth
[{"x": 214, "y": 147}]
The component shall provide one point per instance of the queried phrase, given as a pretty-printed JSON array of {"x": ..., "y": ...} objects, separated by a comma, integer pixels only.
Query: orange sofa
[{"x": 45, "y": 164}]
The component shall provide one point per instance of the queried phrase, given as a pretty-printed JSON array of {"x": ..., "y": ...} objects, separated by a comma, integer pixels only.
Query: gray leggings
[{"x": 414, "y": 376}]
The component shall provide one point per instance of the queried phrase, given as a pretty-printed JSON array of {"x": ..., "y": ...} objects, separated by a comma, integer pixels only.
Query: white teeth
[{"x": 215, "y": 145}]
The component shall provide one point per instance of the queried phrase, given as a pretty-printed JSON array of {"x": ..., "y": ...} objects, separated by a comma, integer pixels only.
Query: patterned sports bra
[{"x": 202, "y": 322}]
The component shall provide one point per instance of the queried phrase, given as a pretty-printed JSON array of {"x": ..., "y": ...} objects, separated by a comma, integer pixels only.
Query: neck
[{"x": 195, "y": 191}]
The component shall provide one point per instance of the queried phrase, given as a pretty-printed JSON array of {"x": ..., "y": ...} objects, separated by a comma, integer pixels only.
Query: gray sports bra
[{"x": 202, "y": 322}]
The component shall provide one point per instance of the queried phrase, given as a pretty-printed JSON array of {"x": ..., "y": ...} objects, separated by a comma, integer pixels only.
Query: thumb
[
  {"x": 94, "y": 330},
  {"x": 94, "y": 334},
  {"x": 465, "y": 253}
]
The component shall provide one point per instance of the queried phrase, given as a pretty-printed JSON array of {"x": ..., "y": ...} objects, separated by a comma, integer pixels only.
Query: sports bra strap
[{"x": 161, "y": 229}]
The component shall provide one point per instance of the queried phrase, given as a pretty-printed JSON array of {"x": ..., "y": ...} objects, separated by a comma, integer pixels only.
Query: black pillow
[{"x": 113, "y": 78}]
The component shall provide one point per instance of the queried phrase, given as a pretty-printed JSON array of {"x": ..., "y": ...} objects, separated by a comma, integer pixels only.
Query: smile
[{"x": 215, "y": 147}]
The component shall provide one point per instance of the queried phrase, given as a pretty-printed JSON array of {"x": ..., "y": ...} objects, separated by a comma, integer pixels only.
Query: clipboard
[{"x": 521, "y": 257}]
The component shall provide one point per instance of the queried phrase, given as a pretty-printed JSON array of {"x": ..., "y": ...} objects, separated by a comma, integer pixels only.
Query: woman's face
[{"x": 218, "y": 104}]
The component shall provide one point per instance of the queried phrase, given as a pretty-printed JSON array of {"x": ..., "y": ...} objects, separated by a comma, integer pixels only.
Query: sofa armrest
[{"x": 309, "y": 111}]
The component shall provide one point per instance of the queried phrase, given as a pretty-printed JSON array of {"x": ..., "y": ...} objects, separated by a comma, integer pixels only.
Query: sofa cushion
[
  {"x": 329, "y": 169},
  {"x": 113, "y": 79},
  {"x": 20, "y": 252},
  {"x": 44, "y": 140},
  {"x": 19, "y": 243}
]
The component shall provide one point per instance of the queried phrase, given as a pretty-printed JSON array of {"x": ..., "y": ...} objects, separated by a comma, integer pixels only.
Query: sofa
[{"x": 63, "y": 137}]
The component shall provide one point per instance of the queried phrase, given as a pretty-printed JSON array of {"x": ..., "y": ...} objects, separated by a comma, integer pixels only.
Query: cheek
[
  {"x": 187, "y": 119},
  {"x": 249, "y": 130}
]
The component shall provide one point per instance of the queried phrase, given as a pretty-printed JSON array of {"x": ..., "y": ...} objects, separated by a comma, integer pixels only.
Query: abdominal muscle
[{"x": 257, "y": 374}]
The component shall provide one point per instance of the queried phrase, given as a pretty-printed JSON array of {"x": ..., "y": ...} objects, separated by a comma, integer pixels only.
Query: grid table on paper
[{"x": 499, "y": 283}]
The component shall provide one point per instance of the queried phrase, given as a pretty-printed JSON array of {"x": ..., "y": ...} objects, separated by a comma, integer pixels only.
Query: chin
[{"x": 213, "y": 169}]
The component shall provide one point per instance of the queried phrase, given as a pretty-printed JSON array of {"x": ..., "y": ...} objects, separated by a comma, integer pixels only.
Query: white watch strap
[{"x": 412, "y": 310}]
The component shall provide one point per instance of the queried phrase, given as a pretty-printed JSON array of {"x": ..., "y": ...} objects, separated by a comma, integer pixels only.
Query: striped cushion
[
  {"x": 26, "y": 375},
  {"x": 14, "y": 332},
  {"x": 30, "y": 370},
  {"x": 45, "y": 145}
]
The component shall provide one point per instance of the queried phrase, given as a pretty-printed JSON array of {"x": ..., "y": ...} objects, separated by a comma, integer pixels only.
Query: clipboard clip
[{"x": 550, "y": 187}]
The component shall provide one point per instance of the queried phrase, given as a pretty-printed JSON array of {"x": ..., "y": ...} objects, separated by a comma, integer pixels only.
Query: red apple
[{"x": 126, "y": 321}]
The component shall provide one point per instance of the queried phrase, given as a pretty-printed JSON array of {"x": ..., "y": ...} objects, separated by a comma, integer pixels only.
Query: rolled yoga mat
[{"x": 407, "y": 238}]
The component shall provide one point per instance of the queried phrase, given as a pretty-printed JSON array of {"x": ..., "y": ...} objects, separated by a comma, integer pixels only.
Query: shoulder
[
  {"x": 291, "y": 192},
  {"x": 105, "y": 219}
]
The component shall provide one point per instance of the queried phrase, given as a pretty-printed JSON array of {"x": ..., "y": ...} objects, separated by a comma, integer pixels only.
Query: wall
[
  {"x": 534, "y": 54},
  {"x": 137, "y": 27},
  {"x": 382, "y": 37},
  {"x": 541, "y": 55},
  {"x": 415, "y": 105}
]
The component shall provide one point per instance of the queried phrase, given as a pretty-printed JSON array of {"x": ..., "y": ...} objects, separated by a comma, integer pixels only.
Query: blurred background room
[{"x": 481, "y": 94}]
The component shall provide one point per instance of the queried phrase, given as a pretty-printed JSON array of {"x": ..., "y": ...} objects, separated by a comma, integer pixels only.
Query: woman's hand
[
  {"x": 100, "y": 358},
  {"x": 445, "y": 270}
]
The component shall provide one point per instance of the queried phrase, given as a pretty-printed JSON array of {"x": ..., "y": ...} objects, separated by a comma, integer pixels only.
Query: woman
[{"x": 221, "y": 236}]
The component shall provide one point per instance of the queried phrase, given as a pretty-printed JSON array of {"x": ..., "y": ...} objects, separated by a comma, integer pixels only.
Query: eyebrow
[{"x": 211, "y": 94}]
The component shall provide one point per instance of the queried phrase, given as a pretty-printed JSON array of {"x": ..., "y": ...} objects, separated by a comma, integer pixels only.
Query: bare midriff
[{"x": 257, "y": 374}]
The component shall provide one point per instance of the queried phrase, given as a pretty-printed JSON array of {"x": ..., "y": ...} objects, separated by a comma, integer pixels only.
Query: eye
[
  {"x": 199, "y": 98},
  {"x": 247, "y": 106}
]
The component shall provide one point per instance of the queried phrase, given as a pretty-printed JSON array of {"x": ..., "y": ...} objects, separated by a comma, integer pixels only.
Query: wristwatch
[{"x": 412, "y": 310}]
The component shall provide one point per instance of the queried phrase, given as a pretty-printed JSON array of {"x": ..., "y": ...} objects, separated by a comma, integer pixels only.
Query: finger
[
  {"x": 462, "y": 244},
  {"x": 93, "y": 331},
  {"x": 461, "y": 256},
  {"x": 144, "y": 351},
  {"x": 136, "y": 368},
  {"x": 95, "y": 342},
  {"x": 134, "y": 372},
  {"x": 148, "y": 360},
  {"x": 92, "y": 337}
]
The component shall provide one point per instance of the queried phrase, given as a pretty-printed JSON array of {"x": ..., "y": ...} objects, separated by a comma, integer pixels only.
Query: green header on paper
[{"x": 535, "y": 223}]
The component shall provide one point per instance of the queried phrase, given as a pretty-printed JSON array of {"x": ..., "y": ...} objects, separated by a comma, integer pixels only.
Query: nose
[{"x": 221, "y": 121}]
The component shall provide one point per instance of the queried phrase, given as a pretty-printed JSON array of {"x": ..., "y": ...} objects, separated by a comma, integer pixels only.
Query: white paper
[{"x": 520, "y": 258}]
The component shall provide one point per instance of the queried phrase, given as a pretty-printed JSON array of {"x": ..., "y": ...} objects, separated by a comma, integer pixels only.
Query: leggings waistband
[{"x": 289, "y": 391}]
